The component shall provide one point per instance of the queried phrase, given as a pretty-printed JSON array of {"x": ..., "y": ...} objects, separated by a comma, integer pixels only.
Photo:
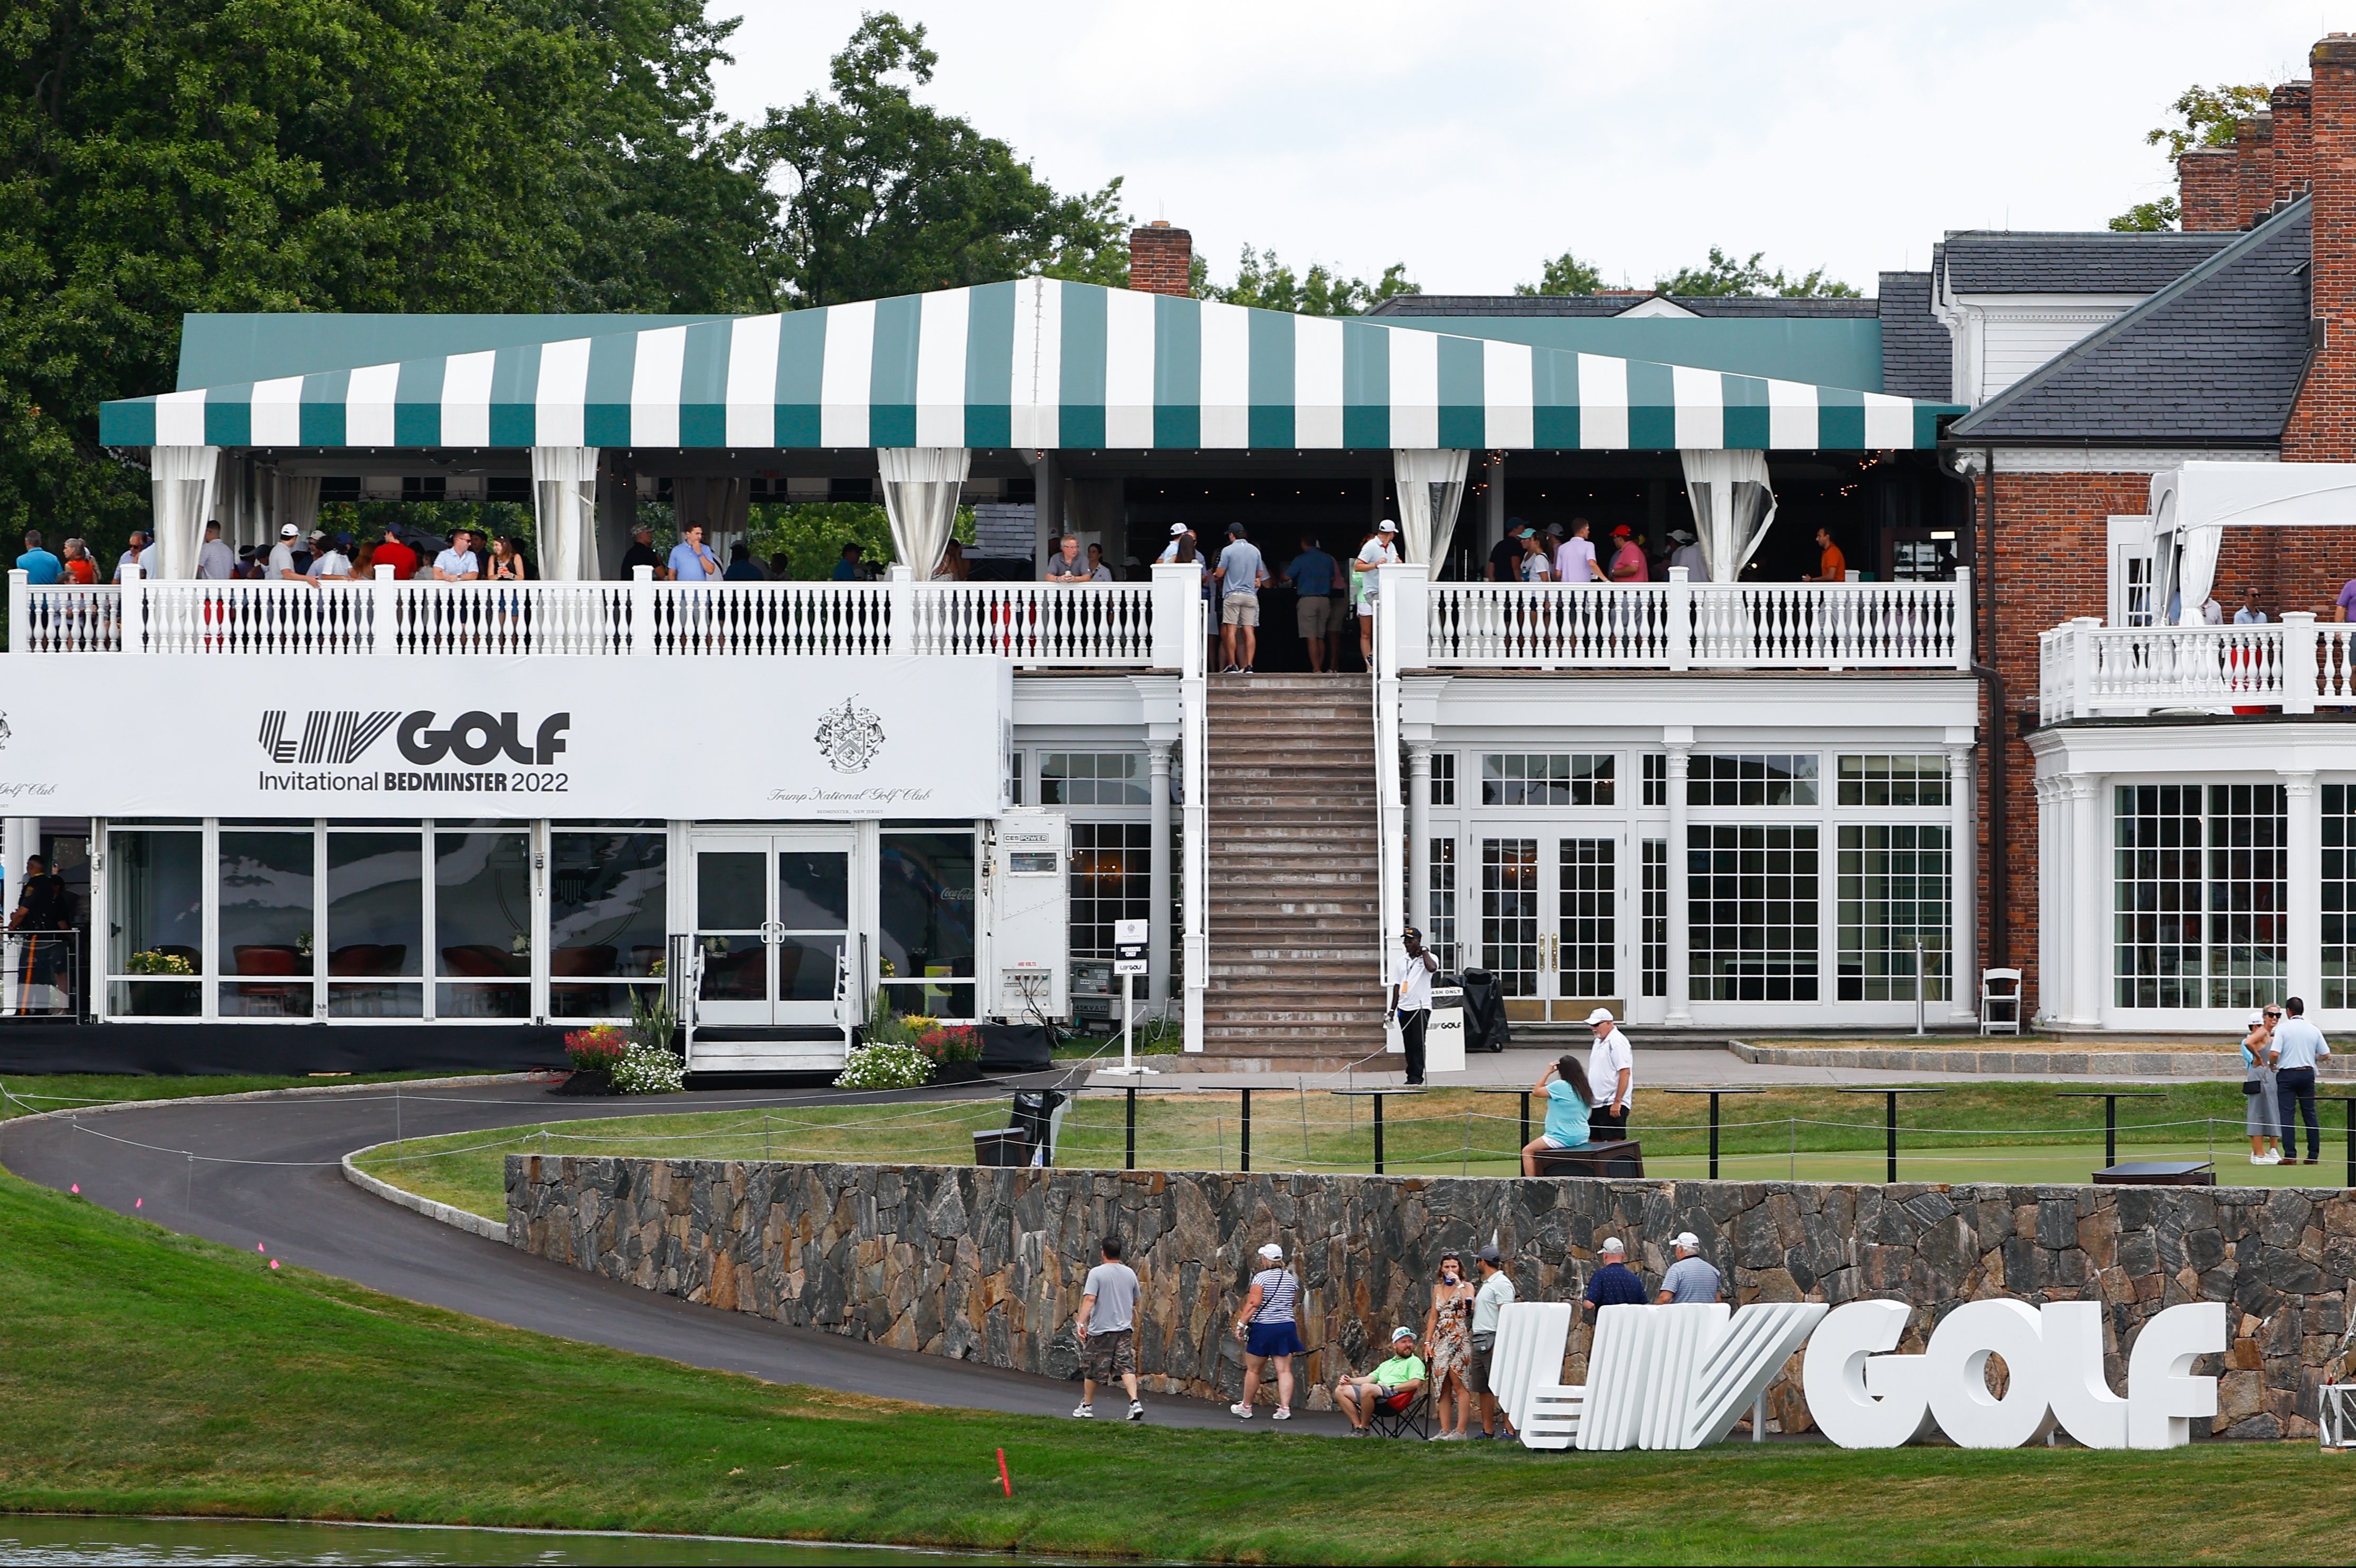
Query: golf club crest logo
[
  {"x": 6, "y": 734},
  {"x": 849, "y": 736}
]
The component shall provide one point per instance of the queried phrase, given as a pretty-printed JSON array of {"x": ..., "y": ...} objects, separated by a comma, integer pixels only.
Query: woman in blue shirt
[{"x": 1567, "y": 1103}]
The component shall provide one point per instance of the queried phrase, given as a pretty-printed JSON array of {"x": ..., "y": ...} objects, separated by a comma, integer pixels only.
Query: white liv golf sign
[
  {"x": 1680, "y": 1376},
  {"x": 628, "y": 738}
]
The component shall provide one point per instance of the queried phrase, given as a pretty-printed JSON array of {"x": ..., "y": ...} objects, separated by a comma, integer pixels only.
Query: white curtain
[
  {"x": 299, "y": 503},
  {"x": 920, "y": 493},
  {"x": 564, "y": 497},
  {"x": 1733, "y": 506},
  {"x": 180, "y": 482},
  {"x": 1430, "y": 489},
  {"x": 2196, "y": 564}
]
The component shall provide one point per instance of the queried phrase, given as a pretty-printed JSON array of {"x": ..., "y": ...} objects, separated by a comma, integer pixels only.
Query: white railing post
[
  {"x": 2298, "y": 656},
  {"x": 1963, "y": 613},
  {"x": 2081, "y": 666},
  {"x": 1177, "y": 599},
  {"x": 1390, "y": 870},
  {"x": 135, "y": 609},
  {"x": 900, "y": 600},
  {"x": 1195, "y": 868},
  {"x": 384, "y": 632},
  {"x": 1405, "y": 598},
  {"x": 642, "y": 611},
  {"x": 1679, "y": 630},
  {"x": 20, "y": 594}
]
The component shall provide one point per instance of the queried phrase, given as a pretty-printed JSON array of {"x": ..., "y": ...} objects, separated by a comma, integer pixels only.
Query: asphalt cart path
[{"x": 270, "y": 1175}]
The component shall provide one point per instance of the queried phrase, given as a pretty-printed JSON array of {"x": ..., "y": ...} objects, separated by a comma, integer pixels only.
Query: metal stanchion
[
  {"x": 1131, "y": 1130},
  {"x": 1892, "y": 1096},
  {"x": 1246, "y": 1130},
  {"x": 1713, "y": 1094},
  {"x": 2110, "y": 1099}
]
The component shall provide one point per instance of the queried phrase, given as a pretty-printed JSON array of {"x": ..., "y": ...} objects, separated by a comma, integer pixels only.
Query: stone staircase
[{"x": 1292, "y": 896}]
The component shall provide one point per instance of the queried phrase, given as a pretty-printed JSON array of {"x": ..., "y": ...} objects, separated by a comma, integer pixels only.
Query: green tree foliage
[
  {"x": 811, "y": 534},
  {"x": 889, "y": 196},
  {"x": 1727, "y": 276},
  {"x": 1564, "y": 274},
  {"x": 165, "y": 157},
  {"x": 1263, "y": 280},
  {"x": 2205, "y": 118}
]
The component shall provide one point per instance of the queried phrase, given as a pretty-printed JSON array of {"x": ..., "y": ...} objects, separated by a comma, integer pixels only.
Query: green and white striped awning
[{"x": 1034, "y": 363}]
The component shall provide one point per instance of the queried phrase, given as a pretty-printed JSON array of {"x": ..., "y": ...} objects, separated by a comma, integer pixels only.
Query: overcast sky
[{"x": 1473, "y": 141}]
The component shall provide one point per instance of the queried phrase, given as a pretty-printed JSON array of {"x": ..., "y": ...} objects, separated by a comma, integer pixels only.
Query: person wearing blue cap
[{"x": 1394, "y": 1383}]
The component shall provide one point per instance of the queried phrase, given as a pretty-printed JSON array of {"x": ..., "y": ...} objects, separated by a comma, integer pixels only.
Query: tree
[
  {"x": 1263, "y": 280},
  {"x": 889, "y": 196},
  {"x": 1564, "y": 274},
  {"x": 181, "y": 156},
  {"x": 1724, "y": 275},
  {"x": 2207, "y": 116}
]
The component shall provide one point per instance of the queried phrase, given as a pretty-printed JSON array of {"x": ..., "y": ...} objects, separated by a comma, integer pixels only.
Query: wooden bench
[{"x": 1623, "y": 1157}]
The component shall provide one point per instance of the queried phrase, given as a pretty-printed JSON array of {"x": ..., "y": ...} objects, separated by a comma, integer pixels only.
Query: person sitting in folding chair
[{"x": 1392, "y": 1388}]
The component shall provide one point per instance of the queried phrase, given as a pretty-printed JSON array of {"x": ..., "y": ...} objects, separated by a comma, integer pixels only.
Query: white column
[
  {"x": 2053, "y": 877},
  {"x": 1157, "y": 880},
  {"x": 2302, "y": 884},
  {"x": 1963, "y": 859},
  {"x": 2088, "y": 908},
  {"x": 1419, "y": 835},
  {"x": 1680, "y": 983},
  {"x": 20, "y": 593},
  {"x": 20, "y": 837}
]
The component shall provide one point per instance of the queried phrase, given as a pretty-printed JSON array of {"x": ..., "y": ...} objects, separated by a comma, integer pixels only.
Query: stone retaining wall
[{"x": 987, "y": 1264}]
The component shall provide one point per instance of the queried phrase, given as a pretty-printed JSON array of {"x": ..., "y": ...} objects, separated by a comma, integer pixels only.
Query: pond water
[{"x": 42, "y": 1539}]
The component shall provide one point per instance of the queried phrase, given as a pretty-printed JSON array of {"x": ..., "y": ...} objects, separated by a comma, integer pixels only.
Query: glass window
[
  {"x": 1656, "y": 917},
  {"x": 1896, "y": 885},
  {"x": 267, "y": 919},
  {"x": 482, "y": 925},
  {"x": 1546, "y": 779},
  {"x": 155, "y": 895},
  {"x": 1093, "y": 778},
  {"x": 1893, "y": 780},
  {"x": 2199, "y": 884},
  {"x": 1013, "y": 777},
  {"x": 1442, "y": 935},
  {"x": 1112, "y": 879},
  {"x": 925, "y": 889},
  {"x": 606, "y": 919},
  {"x": 1443, "y": 778},
  {"x": 2339, "y": 896},
  {"x": 376, "y": 925},
  {"x": 1509, "y": 913},
  {"x": 1752, "y": 907},
  {"x": 1587, "y": 945},
  {"x": 1751, "y": 779},
  {"x": 1656, "y": 778}
]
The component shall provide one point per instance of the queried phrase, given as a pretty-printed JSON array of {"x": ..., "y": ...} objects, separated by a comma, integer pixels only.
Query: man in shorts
[
  {"x": 1312, "y": 572},
  {"x": 1496, "y": 1291},
  {"x": 1106, "y": 1329},
  {"x": 1376, "y": 552},
  {"x": 1394, "y": 1384},
  {"x": 1240, "y": 576}
]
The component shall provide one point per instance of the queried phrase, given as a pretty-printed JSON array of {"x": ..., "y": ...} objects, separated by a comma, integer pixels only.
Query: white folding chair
[{"x": 1992, "y": 998}]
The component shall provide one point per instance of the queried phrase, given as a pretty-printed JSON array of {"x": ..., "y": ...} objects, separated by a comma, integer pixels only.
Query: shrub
[
  {"x": 885, "y": 1067},
  {"x": 644, "y": 1069},
  {"x": 599, "y": 1049},
  {"x": 950, "y": 1043}
]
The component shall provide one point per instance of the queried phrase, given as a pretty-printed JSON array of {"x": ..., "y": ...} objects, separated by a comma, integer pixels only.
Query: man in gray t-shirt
[
  {"x": 1690, "y": 1278},
  {"x": 1106, "y": 1331},
  {"x": 1240, "y": 575}
]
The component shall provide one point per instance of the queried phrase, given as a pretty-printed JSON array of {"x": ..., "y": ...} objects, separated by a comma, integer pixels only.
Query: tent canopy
[
  {"x": 1034, "y": 363},
  {"x": 2193, "y": 503}
]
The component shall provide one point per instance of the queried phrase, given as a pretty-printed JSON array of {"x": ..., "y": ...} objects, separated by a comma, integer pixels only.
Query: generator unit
[{"x": 1029, "y": 918}]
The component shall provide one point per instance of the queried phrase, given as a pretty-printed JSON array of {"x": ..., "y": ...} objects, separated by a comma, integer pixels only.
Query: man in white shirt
[
  {"x": 458, "y": 563},
  {"x": 1688, "y": 555},
  {"x": 1178, "y": 533},
  {"x": 1411, "y": 974},
  {"x": 329, "y": 565},
  {"x": 1373, "y": 554},
  {"x": 1575, "y": 561},
  {"x": 1610, "y": 1074},
  {"x": 281, "y": 557},
  {"x": 2249, "y": 614},
  {"x": 2298, "y": 1046},
  {"x": 216, "y": 562},
  {"x": 132, "y": 556}
]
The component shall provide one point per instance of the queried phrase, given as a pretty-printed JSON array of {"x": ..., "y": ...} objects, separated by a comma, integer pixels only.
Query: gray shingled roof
[
  {"x": 2212, "y": 359},
  {"x": 1917, "y": 355},
  {"x": 1980, "y": 260},
  {"x": 1602, "y": 304}
]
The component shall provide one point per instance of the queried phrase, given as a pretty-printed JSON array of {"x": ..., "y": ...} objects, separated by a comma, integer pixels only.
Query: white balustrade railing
[
  {"x": 1031, "y": 624},
  {"x": 2087, "y": 669},
  {"x": 1681, "y": 625}
]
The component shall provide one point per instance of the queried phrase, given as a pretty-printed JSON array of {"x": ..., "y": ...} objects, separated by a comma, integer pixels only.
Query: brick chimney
[
  {"x": 2253, "y": 169},
  {"x": 2322, "y": 428},
  {"x": 1162, "y": 259},
  {"x": 2205, "y": 190},
  {"x": 2294, "y": 162}
]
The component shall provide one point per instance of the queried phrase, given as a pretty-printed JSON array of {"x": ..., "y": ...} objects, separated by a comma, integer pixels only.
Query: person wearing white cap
[
  {"x": 2258, "y": 1085},
  {"x": 1611, "y": 1073},
  {"x": 1395, "y": 1383},
  {"x": 1268, "y": 1333},
  {"x": 1615, "y": 1283},
  {"x": 1178, "y": 534},
  {"x": 1688, "y": 555},
  {"x": 1692, "y": 1278},
  {"x": 1374, "y": 555},
  {"x": 281, "y": 557}
]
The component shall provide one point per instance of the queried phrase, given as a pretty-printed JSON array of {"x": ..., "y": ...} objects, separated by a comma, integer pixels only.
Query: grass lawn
[
  {"x": 28, "y": 1093},
  {"x": 141, "y": 1372},
  {"x": 2017, "y": 1132}
]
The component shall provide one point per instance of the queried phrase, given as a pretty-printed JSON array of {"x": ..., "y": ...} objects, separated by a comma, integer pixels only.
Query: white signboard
[
  {"x": 752, "y": 739},
  {"x": 1443, "y": 1032}
]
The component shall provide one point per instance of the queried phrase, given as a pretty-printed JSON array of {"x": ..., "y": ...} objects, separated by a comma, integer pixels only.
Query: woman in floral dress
[{"x": 1444, "y": 1331}]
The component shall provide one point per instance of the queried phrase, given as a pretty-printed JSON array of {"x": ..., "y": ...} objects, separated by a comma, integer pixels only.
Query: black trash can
[
  {"x": 1035, "y": 1118},
  {"x": 1485, "y": 1028}
]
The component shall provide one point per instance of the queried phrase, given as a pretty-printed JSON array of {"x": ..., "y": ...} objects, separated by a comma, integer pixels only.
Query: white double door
[
  {"x": 775, "y": 911},
  {"x": 1559, "y": 921}
]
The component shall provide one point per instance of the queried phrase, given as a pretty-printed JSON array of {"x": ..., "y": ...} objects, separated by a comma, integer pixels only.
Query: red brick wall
[
  {"x": 2293, "y": 156},
  {"x": 2322, "y": 428},
  {"x": 2205, "y": 190},
  {"x": 2253, "y": 169},
  {"x": 1161, "y": 260}
]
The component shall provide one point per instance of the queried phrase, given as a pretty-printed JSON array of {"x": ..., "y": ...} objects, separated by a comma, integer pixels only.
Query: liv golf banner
[{"x": 633, "y": 738}]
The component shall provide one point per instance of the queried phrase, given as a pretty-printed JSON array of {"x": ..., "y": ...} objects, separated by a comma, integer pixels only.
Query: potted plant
[
  {"x": 954, "y": 1050},
  {"x": 595, "y": 1052}
]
